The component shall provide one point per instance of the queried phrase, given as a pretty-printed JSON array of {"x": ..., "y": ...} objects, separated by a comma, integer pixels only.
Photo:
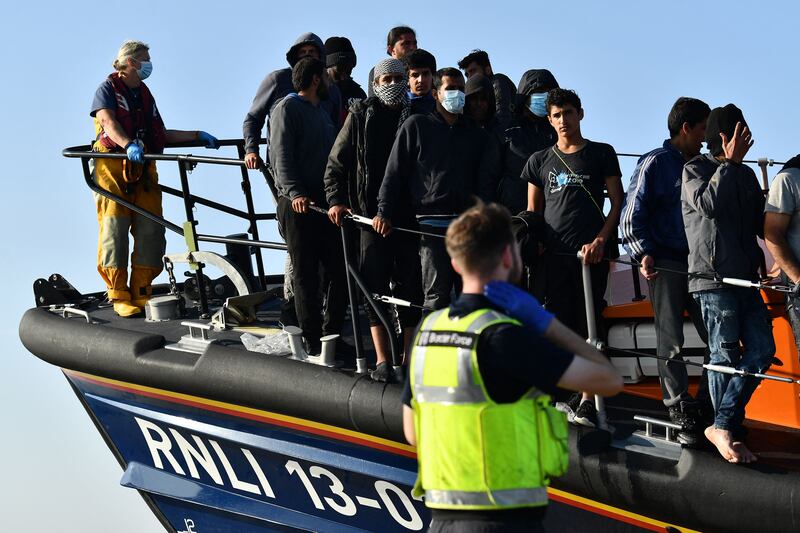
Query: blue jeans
[{"x": 734, "y": 315}]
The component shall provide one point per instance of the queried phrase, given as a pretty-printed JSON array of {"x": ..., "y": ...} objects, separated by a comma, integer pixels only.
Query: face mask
[
  {"x": 453, "y": 102},
  {"x": 145, "y": 69},
  {"x": 392, "y": 94},
  {"x": 538, "y": 105}
]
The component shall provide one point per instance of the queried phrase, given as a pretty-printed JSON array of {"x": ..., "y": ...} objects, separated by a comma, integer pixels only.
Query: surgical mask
[
  {"x": 392, "y": 94},
  {"x": 145, "y": 69},
  {"x": 538, "y": 105},
  {"x": 453, "y": 102}
]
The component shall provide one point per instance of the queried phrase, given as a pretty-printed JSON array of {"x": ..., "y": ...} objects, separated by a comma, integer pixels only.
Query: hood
[
  {"x": 481, "y": 84},
  {"x": 535, "y": 80},
  {"x": 306, "y": 38}
]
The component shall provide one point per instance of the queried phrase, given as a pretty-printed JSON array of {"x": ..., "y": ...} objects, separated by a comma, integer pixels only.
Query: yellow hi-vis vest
[{"x": 474, "y": 453}]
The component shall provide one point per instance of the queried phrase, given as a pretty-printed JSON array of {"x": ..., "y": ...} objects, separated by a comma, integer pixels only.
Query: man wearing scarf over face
[
  {"x": 723, "y": 210},
  {"x": 352, "y": 179}
]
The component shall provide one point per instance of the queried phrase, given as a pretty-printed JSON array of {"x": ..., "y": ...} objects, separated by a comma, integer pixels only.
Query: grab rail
[{"x": 187, "y": 163}]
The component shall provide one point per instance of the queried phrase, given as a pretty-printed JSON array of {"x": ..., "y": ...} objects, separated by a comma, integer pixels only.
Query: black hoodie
[{"x": 526, "y": 136}]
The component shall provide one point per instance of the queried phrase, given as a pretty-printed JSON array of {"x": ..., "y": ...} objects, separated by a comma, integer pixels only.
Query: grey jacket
[
  {"x": 723, "y": 213},
  {"x": 300, "y": 138},
  {"x": 274, "y": 87}
]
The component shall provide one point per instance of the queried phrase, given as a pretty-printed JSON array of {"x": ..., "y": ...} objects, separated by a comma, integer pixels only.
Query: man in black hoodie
[
  {"x": 301, "y": 136},
  {"x": 480, "y": 105},
  {"x": 352, "y": 179},
  {"x": 477, "y": 62},
  {"x": 440, "y": 162},
  {"x": 341, "y": 60},
  {"x": 529, "y": 132}
]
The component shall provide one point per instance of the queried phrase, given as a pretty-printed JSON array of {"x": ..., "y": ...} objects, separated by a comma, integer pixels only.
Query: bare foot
[
  {"x": 744, "y": 453},
  {"x": 723, "y": 440}
]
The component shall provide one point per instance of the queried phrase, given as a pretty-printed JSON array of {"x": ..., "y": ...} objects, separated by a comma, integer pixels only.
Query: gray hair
[{"x": 128, "y": 49}]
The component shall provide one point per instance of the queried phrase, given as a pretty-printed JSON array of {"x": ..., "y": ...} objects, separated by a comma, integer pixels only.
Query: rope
[{"x": 709, "y": 367}]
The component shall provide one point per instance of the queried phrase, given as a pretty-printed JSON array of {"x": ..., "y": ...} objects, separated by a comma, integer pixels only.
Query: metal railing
[{"x": 186, "y": 163}]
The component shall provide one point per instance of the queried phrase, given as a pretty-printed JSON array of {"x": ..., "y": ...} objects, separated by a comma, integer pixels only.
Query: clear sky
[{"x": 628, "y": 60}]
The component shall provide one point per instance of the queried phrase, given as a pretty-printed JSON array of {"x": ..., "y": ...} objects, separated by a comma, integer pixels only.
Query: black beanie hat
[
  {"x": 339, "y": 50},
  {"x": 722, "y": 120}
]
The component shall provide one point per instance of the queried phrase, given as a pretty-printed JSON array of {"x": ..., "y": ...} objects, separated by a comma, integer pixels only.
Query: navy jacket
[{"x": 651, "y": 219}]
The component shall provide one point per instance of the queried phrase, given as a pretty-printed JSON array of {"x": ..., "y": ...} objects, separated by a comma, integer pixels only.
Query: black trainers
[
  {"x": 687, "y": 415},
  {"x": 382, "y": 372},
  {"x": 586, "y": 414},
  {"x": 570, "y": 406}
]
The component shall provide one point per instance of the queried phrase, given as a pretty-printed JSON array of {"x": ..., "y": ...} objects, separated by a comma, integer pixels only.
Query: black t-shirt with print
[{"x": 573, "y": 186}]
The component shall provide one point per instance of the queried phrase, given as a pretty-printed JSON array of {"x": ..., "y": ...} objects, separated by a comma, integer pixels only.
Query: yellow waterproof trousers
[{"x": 117, "y": 221}]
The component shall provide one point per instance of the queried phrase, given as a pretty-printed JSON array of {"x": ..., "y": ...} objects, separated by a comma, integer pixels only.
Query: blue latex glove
[
  {"x": 208, "y": 139},
  {"x": 519, "y": 304},
  {"x": 135, "y": 152}
]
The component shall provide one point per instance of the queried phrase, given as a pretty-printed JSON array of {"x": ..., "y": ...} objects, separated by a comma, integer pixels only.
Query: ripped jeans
[{"x": 739, "y": 336}]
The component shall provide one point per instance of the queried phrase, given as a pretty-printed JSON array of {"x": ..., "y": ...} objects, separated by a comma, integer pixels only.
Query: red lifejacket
[{"x": 139, "y": 123}]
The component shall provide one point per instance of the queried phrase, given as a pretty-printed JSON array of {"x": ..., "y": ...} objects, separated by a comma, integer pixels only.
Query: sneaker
[
  {"x": 570, "y": 406},
  {"x": 586, "y": 414},
  {"x": 687, "y": 415},
  {"x": 382, "y": 372}
]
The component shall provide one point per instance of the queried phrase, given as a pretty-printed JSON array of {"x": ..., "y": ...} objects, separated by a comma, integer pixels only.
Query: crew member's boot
[
  {"x": 126, "y": 308},
  {"x": 141, "y": 285}
]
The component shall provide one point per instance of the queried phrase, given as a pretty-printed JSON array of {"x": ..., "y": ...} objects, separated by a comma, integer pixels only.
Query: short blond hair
[
  {"x": 128, "y": 49},
  {"x": 477, "y": 238}
]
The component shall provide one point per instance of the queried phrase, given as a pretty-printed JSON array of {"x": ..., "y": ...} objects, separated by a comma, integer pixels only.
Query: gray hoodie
[{"x": 723, "y": 212}]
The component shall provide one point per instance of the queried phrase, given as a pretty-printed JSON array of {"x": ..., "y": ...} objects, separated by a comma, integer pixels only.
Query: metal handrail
[{"x": 186, "y": 163}]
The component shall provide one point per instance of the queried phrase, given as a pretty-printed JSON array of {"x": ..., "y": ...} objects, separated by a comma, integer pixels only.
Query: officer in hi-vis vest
[{"x": 476, "y": 401}]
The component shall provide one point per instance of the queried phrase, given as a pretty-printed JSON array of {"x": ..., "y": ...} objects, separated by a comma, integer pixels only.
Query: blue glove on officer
[
  {"x": 519, "y": 304},
  {"x": 135, "y": 152},
  {"x": 209, "y": 140}
]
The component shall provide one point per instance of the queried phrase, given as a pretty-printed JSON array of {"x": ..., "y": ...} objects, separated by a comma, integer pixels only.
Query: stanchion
[{"x": 591, "y": 327}]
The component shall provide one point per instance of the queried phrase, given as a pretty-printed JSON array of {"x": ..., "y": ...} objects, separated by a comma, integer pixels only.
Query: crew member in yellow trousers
[{"x": 127, "y": 120}]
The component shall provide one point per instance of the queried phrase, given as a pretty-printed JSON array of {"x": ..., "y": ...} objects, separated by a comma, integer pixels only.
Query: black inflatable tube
[
  {"x": 700, "y": 491},
  {"x": 221, "y": 373}
]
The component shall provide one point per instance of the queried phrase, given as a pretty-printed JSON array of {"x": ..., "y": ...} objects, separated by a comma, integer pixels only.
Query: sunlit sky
[{"x": 628, "y": 61}]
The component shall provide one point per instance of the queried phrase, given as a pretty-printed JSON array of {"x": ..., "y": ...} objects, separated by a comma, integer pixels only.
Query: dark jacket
[
  {"x": 505, "y": 98},
  {"x": 723, "y": 212},
  {"x": 352, "y": 178},
  {"x": 441, "y": 167},
  {"x": 351, "y": 93},
  {"x": 523, "y": 139},
  {"x": 300, "y": 138},
  {"x": 274, "y": 87},
  {"x": 652, "y": 220}
]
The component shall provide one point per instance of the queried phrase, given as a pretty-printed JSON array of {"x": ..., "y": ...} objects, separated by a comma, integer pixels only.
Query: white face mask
[
  {"x": 453, "y": 102},
  {"x": 144, "y": 70}
]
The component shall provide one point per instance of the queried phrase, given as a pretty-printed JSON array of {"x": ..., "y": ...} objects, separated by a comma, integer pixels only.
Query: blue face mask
[
  {"x": 538, "y": 105},
  {"x": 453, "y": 102},
  {"x": 145, "y": 69}
]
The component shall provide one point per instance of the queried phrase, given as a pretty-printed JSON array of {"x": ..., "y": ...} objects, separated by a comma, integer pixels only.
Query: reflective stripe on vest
[
  {"x": 510, "y": 497},
  {"x": 467, "y": 391}
]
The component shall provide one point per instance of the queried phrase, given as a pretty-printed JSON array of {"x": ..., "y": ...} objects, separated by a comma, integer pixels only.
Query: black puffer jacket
[{"x": 351, "y": 177}]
